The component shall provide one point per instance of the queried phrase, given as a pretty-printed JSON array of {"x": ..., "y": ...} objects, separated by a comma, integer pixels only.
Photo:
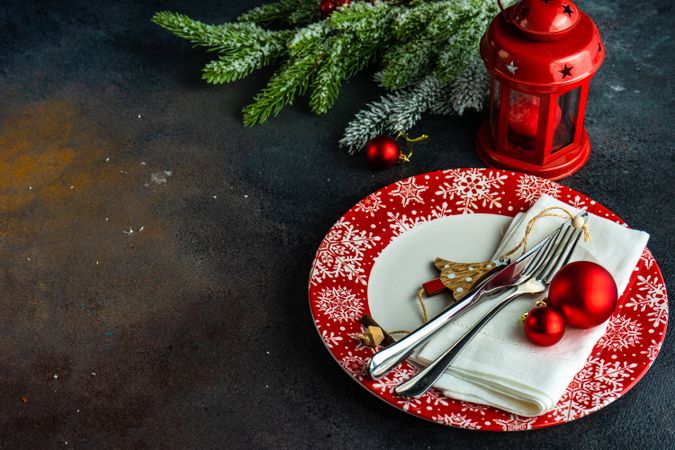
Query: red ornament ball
[
  {"x": 382, "y": 152},
  {"x": 339, "y": 3},
  {"x": 585, "y": 292},
  {"x": 544, "y": 326},
  {"x": 326, "y": 7}
]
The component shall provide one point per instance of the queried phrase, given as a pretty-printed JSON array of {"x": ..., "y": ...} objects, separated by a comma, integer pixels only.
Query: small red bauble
[
  {"x": 544, "y": 326},
  {"x": 585, "y": 292},
  {"x": 326, "y": 7},
  {"x": 339, "y": 3},
  {"x": 382, "y": 152}
]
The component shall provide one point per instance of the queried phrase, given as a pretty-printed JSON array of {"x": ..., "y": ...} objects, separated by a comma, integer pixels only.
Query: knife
[{"x": 389, "y": 357}]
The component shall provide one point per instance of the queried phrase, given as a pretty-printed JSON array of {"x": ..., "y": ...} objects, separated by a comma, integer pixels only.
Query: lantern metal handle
[{"x": 501, "y": 8}]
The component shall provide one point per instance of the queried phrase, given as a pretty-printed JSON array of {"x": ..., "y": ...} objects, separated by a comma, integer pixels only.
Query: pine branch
[
  {"x": 462, "y": 47},
  {"x": 461, "y": 81},
  {"x": 415, "y": 102},
  {"x": 406, "y": 63},
  {"x": 328, "y": 80},
  {"x": 234, "y": 65},
  {"x": 222, "y": 38},
  {"x": 292, "y": 12},
  {"x": 243, "y": 47},
  {"x": 422, "y": 31},
  {"x": 468, "y": 91},
  {"x": 345, "y": 58},
  {"x": 414, "y": 40},
  {"x": 308, "y": 38},
  {"x": 367, "y": 21},
  {"x": 392, "y": 113},
  {"x": 361, "y": 29},
  {"x": 368, "y": 123},
  {"x": 306, "y": 52},
  {"x": 400, "y": 111},
  {"x": 413, "y": 21},
  {"x": 291, "y": 80}
]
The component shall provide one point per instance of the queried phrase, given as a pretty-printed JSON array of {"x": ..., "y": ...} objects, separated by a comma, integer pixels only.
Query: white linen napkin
[{"x": 499, "y": 367}]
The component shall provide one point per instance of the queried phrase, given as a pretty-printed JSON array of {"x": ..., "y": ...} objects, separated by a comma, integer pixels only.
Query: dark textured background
[{"x": 194, "y": 331}]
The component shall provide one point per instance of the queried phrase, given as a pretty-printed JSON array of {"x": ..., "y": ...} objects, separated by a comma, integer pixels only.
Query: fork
[{"x": 544, "y": 266}]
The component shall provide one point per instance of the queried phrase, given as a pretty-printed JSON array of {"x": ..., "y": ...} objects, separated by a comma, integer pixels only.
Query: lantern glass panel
[
  {"x": 494, "y": 108},
  {"x": 523, "y": 119},
  {"x": 568, "y": 105}
]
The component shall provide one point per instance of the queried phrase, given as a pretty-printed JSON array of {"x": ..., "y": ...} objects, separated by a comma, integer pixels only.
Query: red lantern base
[{"x": 569, "y": 161}]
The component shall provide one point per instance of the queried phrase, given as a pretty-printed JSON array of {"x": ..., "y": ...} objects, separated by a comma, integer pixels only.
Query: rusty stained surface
[
  {"x": 193, "y": 331},
  {"x": 114, "y": 306},
  {"x": 93, "y": 278}
]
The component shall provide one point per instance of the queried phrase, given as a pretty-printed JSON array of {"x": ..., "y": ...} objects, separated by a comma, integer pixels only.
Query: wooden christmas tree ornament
[{"x": 458, "y": 278}]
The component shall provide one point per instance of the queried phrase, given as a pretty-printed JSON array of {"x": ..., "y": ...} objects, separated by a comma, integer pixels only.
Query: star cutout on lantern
[
  {"x": 566, "y": 71},
  {"x": 567, "y": 10},
  {"x": 511, "y": 67},
  {"x": 599, "y": 47}
]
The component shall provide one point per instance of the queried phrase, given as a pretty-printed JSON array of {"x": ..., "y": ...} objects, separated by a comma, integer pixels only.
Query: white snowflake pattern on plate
[
  {"x": 530, "y": 188},
  {"x": 408, "y": 191},
  {"x": 471, "y": 188},
  {"x": 516, "y": 423},
  {"x": 371, "y": 204},
  {"x": 341, "y": 253},
  {"x": 578, "y": 203},
  {"x": 330, "y": 339},
  {"x": 622, "y": 332},
  {"x": 408, "y": 403},
  {"x": 456, "y": 420},
  {"x": 653, "y": 350},
  {"x": 473, "y": 407},
  {"x": 355, "y": 365},
  {"x": 340, "y": 304},
  {"x": 652, "y": 298},
  {"x": 647, "y": 258},
  {"x": 596, "y": 385},
  {"x": 393, "y": 379},
  {"x": 434, "y": 397},
  {"x": 402, "y": 222}
]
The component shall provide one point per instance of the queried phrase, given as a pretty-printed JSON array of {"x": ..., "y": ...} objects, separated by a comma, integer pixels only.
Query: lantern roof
[
  {"x": 542, "y": 43},
  {"x": 545, "y": 20}
]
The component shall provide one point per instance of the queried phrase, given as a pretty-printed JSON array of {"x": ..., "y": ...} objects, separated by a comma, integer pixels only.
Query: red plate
[{"x": 343, "y": 263}]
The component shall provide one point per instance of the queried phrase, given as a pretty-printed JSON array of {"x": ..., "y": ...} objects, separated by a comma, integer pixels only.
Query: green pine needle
[
  {"x": 344, "y": 59},
  {"x": 289, "y": 82},
  {"x": 236, "y": 64},
  {"x": 292, "y": 12},
  {"x": 406, "y": 63},
  {"x": 216, "y": 37},
  {"x": 328, "y": 80}
]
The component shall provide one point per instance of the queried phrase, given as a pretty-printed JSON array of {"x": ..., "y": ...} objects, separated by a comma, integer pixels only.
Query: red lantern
[{"x": 541, "y": 55}]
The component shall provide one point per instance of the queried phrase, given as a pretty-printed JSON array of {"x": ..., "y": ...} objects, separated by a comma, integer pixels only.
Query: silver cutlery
[
  {"x": 512, "y": 275},
  {"x": 553, "y": 255}
]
